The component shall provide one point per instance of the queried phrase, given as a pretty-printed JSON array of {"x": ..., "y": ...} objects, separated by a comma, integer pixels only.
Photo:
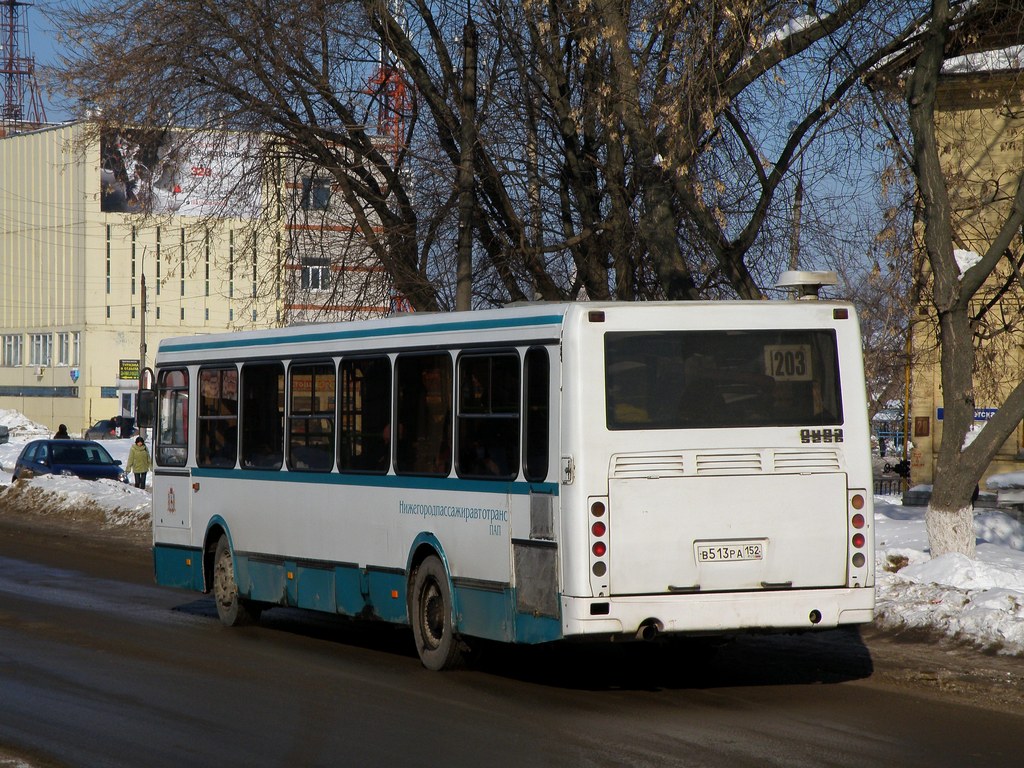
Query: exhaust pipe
[{"x": 649, "y": 630}]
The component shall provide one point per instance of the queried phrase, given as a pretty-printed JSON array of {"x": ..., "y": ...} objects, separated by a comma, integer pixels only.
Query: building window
[
  {"x": 183, "y": 267},
  {"x": 316, "y": 274},
  {"x": 134, "y": 241},
  {"x": 67, "y": 348},
  {"x": 41, "y": 350},
  {"x": 158, "y": 257},
  {"x": 206, "y": 259},
  {"x": 316, "y": 194},
  {"x": 108, "y": 258},
  {"x": 12, "y": 350}
]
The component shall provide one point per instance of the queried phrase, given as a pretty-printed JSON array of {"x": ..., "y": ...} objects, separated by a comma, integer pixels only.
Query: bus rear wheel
[
  {"x": 233, "y": 610},
  {"x": 430, "y": 610}
]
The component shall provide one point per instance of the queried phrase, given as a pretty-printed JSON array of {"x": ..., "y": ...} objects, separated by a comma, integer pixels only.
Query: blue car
[{"x": 86, "y": 459}]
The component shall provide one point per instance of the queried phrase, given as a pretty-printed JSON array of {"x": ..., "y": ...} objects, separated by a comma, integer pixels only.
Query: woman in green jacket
[{"x": 138, "y": 462}]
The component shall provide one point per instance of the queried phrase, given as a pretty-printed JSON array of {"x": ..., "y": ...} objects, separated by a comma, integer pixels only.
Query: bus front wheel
[
  {"x": 233, "y": 610},
  {"x": 430, "y": 610}
]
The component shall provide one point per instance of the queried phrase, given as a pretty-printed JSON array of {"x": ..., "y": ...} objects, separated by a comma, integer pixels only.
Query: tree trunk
[
  {"x": 949, "y": 520},
  {"x": 950, "y": 530},
  {"x": 467, "y": 139}
]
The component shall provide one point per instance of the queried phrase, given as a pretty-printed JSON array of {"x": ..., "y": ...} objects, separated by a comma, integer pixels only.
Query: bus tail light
[
  {"x": 858, "y": 525},
  {"x": 598, "y": 543}
]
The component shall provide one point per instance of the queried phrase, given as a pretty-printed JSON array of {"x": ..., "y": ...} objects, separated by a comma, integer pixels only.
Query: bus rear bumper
[{"x": 717, "y": 612}]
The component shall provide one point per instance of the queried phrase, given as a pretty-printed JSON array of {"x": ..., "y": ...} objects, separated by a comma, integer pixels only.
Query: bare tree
[
  {"x": 637, "y": 150},
  {"x": 975, "y": 306}
]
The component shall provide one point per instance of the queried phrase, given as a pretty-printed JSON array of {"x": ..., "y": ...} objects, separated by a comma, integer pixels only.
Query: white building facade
[{"x": 84, "y": 274}]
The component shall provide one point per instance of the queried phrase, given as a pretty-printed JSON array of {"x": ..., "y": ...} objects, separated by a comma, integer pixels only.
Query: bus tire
[
  {"x": 233, "y": 610},
  {"x": 430, "y": 611}
]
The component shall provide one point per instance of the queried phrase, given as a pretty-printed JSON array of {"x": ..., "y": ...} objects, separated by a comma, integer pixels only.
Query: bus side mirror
[
  {"x": 145, "y": 405},
  {"x": 146, "y": 409}
]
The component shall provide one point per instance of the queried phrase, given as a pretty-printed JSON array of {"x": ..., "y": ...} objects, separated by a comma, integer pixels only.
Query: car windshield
[{"x": 80, "y": 454}]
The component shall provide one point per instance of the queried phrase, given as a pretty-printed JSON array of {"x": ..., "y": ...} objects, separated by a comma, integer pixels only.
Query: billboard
[{"x": 188, "y": 173}]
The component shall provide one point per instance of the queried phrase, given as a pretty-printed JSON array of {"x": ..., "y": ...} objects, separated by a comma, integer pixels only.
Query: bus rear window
[{"x": 714, "y": 379}]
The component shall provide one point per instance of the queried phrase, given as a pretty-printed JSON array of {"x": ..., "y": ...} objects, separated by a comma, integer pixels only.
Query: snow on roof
[{"x": 1002, "y": 60}]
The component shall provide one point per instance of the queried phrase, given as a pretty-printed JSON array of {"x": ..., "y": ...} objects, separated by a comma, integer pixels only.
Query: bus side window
[
  {"x": 311, "y": 417},
  {"x": 262, "y": 416},
  {"x": 537, "y": 375},
  {"x": 488, "y": 416},
  {"x": 172, "y": 418},
  {"x": 217, "y": 438},
  {"x": 364, "y": 443},
  {"x": 423, "y": 408}
]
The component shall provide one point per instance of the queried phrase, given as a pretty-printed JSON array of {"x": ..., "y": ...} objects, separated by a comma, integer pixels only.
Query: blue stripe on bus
[
  {"x": 367, "y": 333},
  {"x": 177, "y": 566},
  {"x": 353, "y": 591},
  {"x": 514, "y": 487}
]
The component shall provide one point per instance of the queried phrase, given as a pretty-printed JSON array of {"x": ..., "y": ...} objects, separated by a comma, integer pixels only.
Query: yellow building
[
  {"x": 980, "y": 127},
  {"x": 84, "y": 272}
]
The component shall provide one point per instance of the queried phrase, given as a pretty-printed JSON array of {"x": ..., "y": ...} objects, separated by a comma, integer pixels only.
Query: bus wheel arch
[
  {"x": 432, "y": 612},
  {"x": 232, "y": 609},
  {"x": 213, "y": 535}
]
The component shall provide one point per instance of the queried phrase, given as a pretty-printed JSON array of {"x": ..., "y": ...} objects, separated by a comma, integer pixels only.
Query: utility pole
[
  {"x": 798, "y": 204},
  {"x": 142, "y": 348},
  {"x": 464, "y": 274}
]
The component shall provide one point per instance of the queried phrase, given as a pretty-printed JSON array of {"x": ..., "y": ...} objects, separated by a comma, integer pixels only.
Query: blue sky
[{"x": 43, "y": 46}]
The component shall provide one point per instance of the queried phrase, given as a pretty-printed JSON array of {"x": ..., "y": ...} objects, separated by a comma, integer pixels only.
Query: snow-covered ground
[
  {"x": 122, "y": 504},
  {"x": 979, "y": 602}
]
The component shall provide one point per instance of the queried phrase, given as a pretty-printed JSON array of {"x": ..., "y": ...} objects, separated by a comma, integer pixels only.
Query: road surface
[{"x": 100, "y": 667}]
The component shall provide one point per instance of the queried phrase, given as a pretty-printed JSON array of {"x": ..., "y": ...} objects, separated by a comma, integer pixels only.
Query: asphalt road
[{"x": 99, "y": 667}]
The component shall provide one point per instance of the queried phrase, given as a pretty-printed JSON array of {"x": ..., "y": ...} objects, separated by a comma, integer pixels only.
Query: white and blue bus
[{"x": 528, "y": 474}]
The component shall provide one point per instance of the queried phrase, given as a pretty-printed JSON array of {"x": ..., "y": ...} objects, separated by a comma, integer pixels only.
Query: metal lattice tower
[{"x": 21, "y": 101}]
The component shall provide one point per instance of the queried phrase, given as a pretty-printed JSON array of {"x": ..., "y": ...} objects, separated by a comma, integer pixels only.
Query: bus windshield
[{"x": 714, "y": 379}]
